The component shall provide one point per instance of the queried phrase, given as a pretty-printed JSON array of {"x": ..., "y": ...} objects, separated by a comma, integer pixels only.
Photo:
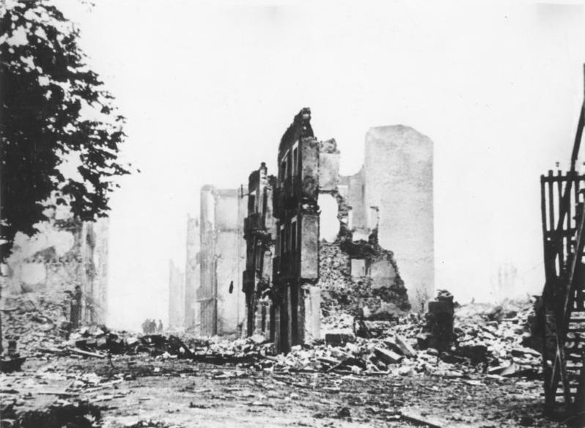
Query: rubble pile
[
  {"x": 486, "y": 338},
  {"x": 342, "y": 292},
  {"x": 74, "y": 397},
  {"x": 32, "y": 319}
]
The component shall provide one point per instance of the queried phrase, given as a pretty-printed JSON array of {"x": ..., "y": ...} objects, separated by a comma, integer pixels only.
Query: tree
[{"x": 55, "y": 112}]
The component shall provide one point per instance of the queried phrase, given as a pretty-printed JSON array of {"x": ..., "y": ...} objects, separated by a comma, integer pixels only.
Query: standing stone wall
[
  {"x": 399, "y": 181},
  {"x": 176, "y": 297},
  {"x": 192, "y": 275}
]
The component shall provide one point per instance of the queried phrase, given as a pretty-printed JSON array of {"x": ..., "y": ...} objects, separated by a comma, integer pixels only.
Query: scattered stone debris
[{"x": 488, "y": 344}]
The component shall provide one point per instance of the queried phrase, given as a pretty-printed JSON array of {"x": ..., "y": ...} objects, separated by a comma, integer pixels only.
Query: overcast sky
[{"x": 209, "y": 88}]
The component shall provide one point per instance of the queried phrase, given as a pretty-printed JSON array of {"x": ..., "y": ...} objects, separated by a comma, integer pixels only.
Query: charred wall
[{"x": 260, "y": 236}]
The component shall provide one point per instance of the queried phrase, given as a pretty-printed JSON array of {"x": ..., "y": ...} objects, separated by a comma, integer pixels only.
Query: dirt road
[{"x": 142, "y": 391}]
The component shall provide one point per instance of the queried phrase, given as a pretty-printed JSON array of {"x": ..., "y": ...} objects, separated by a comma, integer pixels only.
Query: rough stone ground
[{"x": 143, "y": 391}]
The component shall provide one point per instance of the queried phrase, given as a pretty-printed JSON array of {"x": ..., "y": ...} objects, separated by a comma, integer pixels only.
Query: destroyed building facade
[
  {"x": 325, "y": 243},
  {"x": 314, "y": 240},
  {"x": 221, "y": 306},
  {"x": 65, "y": 253},
  {"x": 176, "y": 297},
  {"x": 192, "y": 275},
  {"x": 260, "y": 236},
  {"x": 296, "y": 265},
  {"x": 398, "y": 175}
]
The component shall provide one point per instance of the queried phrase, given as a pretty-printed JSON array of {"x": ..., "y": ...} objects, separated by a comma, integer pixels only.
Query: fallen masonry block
[
  {"x": 387, "y": 356},
  {"x": 82, "y": 343},
  {"x": 522, "y": 352},
  {"x": 85, "y": 353},
  {"x": 132, "y": 341},
  {"x": 418, "y": 419},
  {"x": 330, "y": 361},
  {"x": 508, "y": 370},
  {"x": 338, "y": 339},
  {"x": 404, "y": 346}
]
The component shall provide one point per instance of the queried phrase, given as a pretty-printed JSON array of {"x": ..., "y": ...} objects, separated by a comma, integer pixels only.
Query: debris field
[{"x": 363, "y": 373}]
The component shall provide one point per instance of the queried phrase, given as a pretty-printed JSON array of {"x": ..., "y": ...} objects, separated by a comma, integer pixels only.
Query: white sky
[{"x": 209, "y": 88}]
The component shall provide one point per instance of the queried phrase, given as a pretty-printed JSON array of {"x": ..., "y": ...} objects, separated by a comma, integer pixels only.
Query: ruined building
[
  {"x": 176, "y": 297},
  {"x": 64, "y": 254},
  {"x": 192, "y": 275},
  {"x": 260, "y": 235},
  {"x": 330, "y": 240},
  {"x": 296, "y": 265},
  {"x": 221, "y": 307},
  {"x": 398, "y": 175}
]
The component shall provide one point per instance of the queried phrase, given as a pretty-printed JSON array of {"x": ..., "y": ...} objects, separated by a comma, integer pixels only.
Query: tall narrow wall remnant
[
  {"x": 221, "y": 306},
  {"x": 353, "y": 190},
  {"x": 94, "y": 249},
  {"x": 206, "y": 293},
  {"x": 399, "y": 182},
  {"x": 260, "y": 235},
  {"x": 192, "y": 276},
  {"x": 296, "y": 266},
  {"x": 176, "y": 297}
]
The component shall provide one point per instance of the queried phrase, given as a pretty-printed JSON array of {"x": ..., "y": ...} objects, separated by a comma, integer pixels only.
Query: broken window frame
[
  {"x": 293, "y": 235},
  {"x": 252, "y": 202},
  {"x": 295, "y": 159},
  {"x": 282, "y": 240}
]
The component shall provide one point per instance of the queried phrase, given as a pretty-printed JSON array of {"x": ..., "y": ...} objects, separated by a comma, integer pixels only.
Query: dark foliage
[
  {"x": 70, "y": 416},
  {"x": 54, "y": 109}
]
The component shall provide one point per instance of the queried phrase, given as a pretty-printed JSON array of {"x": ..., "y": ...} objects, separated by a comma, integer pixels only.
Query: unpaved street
[{"x": 149, "y": 392}]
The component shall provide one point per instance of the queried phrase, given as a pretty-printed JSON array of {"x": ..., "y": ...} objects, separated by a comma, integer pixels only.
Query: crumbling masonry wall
[
  {"x": 328, "y": 253},
  {"x": 399, "y": 182},
  {"x": 222, "y": 258},
  {"x": 260, "y": 235},
  {"x": 296, "y": 268},
  {"x": 176, "y": 297},
  {"x": 64, "y": 253},
  {"x": 333, "y": 233},
  {"x": 192, "y": 276},
  {"x": 356, "y": 275}
]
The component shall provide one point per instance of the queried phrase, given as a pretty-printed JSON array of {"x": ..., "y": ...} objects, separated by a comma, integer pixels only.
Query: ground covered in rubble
[
  {"x": 93, "y": 377},
  {"x": 151, "y": 392}
]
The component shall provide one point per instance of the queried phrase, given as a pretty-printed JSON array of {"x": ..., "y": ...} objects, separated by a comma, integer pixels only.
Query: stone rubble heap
[{"x": 487, "y": 339}]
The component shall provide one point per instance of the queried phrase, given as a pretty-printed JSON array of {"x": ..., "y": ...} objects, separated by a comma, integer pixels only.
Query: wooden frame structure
[{"x": 563, "y": 312}]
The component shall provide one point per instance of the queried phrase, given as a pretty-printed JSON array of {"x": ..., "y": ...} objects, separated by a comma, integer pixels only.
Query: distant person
[
  {"x": 160, "y": 327},
  {"x": 145, "y": 325}
]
